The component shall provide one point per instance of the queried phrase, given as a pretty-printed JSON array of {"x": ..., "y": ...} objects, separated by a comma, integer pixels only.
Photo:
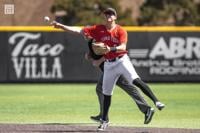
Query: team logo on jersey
[{"x": 109, "y": 38}]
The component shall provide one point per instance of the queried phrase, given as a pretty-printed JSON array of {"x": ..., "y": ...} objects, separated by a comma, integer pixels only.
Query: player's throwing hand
[{"x": 56, "y": 24}]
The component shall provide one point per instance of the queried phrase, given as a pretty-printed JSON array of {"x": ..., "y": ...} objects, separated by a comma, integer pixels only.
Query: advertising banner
[
  {"x": 40, "y": 55},
  {"x": 48, "y": 57},
  {"x": 166, "y": 56}
]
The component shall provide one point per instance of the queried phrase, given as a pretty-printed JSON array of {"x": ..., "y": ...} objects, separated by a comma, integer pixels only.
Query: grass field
[{"x": 74, "y": 103}]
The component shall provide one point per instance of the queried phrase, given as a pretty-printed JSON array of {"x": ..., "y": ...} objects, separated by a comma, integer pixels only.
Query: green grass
[{"x": 74, "y": 103}]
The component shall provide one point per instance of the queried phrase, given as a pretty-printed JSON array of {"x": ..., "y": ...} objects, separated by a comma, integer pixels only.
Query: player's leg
[
  {"x": 139, "y": 83},
  {"x": 131, "y": 75},
  {"x": 128, "y": 71},
  {"x": 109, "y": 80},
  {"x": 100, "y": 99},
  {"x": 104, "y": 122},
  {"x": 134, "y": 93},
  {"x": 145, "y": 88}
]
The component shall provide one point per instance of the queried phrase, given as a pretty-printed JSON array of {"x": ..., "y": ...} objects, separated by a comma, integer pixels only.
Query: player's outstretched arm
[{"x": 72, "y": 29}]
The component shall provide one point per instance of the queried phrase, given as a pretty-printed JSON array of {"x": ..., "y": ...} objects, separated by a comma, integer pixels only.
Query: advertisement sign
[
  {"x": 166, "y": 56},
  {"x": 46, "y": 55}
]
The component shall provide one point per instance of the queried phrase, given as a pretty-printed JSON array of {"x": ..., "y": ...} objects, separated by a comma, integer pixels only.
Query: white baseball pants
[{"x": 113, "y": 70}]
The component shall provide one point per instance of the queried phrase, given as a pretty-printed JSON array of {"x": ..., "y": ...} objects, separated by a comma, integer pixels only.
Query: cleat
[
  {"x": 148, "y": 116},
  {"x": 103, "y": 125},
  {"x": 160, "y": 105},
  {"x": 96, "y": 118}
]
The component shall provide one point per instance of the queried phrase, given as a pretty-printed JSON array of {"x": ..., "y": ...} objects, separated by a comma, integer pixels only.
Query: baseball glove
[{"x": 99, "y": 48}]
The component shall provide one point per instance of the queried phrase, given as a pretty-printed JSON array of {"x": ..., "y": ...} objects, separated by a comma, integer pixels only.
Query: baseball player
[
  {"x": 117, "y": 62},
  {"x": 98, "y": 61}
]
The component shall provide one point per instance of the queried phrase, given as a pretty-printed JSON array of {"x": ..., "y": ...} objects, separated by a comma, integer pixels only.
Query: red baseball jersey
[{"x": 112, "y": 38}]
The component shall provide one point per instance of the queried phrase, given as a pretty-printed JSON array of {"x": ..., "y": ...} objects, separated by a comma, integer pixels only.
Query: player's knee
[
  {"x": 99, "y": 90},
  {"x": 106, "y": 93}
]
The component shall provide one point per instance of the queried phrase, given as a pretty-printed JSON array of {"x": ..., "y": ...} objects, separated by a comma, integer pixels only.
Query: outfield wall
[{"x": 43, "y": 54}]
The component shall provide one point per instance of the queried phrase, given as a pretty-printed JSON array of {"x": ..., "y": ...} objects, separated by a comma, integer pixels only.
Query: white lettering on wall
[
  {"x": 33, "y": 60},
  {"x": 173, "y": 56},
  {"x": 178, "y": 47}
]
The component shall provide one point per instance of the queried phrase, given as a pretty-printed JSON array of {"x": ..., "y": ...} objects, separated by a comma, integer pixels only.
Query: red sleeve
[
  {"x": 88, "y": 31},
  {"x": 123, "y": 36}
]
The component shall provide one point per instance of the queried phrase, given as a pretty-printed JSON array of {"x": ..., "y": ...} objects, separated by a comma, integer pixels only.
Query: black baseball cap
[{"x": 110, "y": 11}]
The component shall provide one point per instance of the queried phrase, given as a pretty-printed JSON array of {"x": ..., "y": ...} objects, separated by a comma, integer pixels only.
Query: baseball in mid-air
[{"x": 46, "y": 19}]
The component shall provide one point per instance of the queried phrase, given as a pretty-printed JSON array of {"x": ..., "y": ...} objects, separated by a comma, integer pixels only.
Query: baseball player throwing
[
  {"x": 117, "y": 62},
  {"x": 98, "y": 61}
]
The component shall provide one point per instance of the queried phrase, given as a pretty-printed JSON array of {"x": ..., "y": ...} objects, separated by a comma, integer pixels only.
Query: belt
[{"x": 114, "y": 59}]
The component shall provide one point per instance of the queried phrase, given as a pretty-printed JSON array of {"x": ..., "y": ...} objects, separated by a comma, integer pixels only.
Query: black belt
[{"x": 114, "y": 59}]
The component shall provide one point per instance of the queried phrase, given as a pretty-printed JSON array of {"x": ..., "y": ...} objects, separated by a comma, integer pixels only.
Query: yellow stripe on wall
[
  {"x": 128, "y": 28},
  {"x": 163, "y": 28},
  {"x": 29, "y": 28}
]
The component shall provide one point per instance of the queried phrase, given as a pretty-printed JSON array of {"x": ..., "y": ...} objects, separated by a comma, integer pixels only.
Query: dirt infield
[{"x": 78, "y": 128}]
